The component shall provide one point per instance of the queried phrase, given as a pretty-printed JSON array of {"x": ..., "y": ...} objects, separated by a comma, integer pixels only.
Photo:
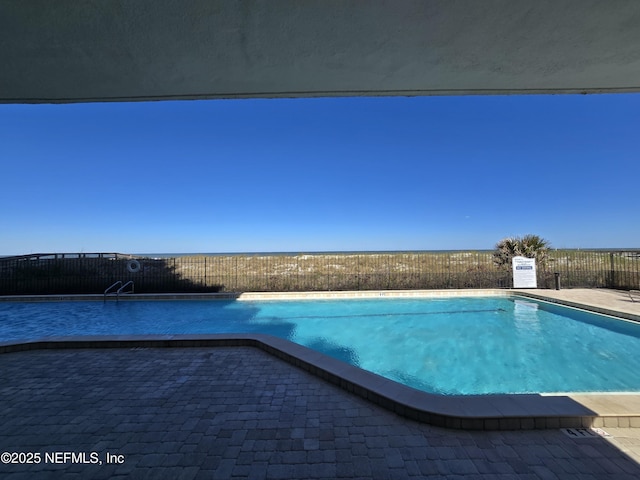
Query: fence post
[
  {"x": 388, "y": 272},
  {"x": 613, "y": 271}
]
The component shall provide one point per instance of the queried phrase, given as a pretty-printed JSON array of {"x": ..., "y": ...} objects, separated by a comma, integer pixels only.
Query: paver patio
[{"x": 237, "y": 412}]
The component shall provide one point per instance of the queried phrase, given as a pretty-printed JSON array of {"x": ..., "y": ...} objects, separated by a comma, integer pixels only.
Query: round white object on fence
[{"x": 133, "y": 266}]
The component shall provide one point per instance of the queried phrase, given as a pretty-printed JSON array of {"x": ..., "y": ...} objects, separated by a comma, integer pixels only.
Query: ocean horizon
[
  {"x": 358, "y": 252},
  {"x": 302, "y": 252},
  {"x": 231, "y": 254},
  {"x": 635, "y": 250}
]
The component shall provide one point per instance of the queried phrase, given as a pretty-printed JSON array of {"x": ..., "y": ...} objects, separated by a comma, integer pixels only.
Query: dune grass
[{"x": 302, "y": 272}]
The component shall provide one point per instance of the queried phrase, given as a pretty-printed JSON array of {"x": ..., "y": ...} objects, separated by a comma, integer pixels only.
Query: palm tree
[
  {"x": 530, "y": 246},
  {"x": 505, "y": 250},
  {"x": 536, "y": 247}
]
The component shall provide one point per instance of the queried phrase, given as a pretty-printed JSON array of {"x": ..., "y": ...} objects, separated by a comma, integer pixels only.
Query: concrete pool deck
[
  {"x": 238, "y": 411},
  {"x": 610, "y": 302}
]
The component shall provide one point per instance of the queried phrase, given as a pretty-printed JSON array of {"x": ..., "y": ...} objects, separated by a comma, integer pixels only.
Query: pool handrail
[
  {"x": 120, "y": 290},
  {"x": 119, "y": 282}
]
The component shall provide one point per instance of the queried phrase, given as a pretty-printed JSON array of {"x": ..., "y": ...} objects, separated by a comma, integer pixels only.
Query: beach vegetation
[
  {"x": 323, "y": 271},
  {"x": 529, "y": 246}
]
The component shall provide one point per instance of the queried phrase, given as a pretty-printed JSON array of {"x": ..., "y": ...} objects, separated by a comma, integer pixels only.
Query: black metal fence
[{"x": 93, "y": 273}]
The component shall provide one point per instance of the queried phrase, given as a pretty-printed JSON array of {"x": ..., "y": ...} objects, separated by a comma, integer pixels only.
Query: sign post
[{"x": 524, "y": 272}]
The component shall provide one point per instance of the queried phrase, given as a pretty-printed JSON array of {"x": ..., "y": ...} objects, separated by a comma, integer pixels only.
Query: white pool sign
[{"x": 524, "y": 272}]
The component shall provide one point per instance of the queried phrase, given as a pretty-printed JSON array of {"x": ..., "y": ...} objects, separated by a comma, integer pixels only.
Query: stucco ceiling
[{"x": 125, "y": 50}]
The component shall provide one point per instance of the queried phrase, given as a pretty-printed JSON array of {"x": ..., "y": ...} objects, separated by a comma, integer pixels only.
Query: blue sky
[{"x": 325, "y": 174}]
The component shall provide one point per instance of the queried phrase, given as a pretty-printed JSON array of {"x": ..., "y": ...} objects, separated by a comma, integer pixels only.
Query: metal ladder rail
[
  {"x": 107, "y": 291},
  {"x": 110, "y": 289},
  {"x": 121, "y": 289}
]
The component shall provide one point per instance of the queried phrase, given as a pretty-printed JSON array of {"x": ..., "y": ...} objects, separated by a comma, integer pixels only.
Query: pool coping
[
  {"x": 469, "y": 412},
  {"x": 580, "y": 306},
  {"x": 248, "y": 296}
]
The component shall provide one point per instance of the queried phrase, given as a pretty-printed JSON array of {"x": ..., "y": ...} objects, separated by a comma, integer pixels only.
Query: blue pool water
[{"x": 450, "y": 346}]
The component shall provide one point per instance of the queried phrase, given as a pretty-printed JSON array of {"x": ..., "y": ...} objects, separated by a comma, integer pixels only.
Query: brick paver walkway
[{"x": 239, "y": 413}]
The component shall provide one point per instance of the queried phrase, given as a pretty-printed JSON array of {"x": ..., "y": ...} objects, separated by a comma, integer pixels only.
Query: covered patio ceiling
[{"x": 138, "y": 50}]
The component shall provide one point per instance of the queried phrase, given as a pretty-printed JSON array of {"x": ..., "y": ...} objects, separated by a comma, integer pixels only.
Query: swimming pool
[{"x": 479, "y": 345}]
